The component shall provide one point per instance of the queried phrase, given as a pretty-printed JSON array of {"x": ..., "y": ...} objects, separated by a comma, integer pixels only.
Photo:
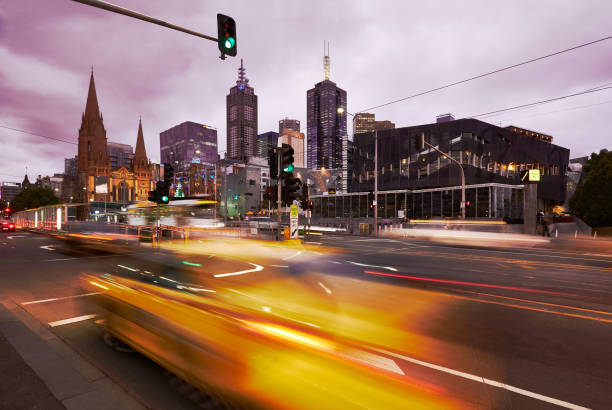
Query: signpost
[{"x": 293, "y": 222}]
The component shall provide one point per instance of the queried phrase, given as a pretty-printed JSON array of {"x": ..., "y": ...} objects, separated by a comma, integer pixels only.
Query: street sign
[
  {"x": 293, "y": 222},
  {"x": 534, "y": 175}
]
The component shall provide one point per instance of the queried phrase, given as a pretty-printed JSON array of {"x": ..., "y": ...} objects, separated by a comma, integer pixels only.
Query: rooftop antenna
[{"x": 326, "y": 60}]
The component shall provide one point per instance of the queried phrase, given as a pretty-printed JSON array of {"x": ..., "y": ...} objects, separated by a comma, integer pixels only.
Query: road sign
[
  {"x": 534, "y": 175},
  {"x": 293, "y": 221}
]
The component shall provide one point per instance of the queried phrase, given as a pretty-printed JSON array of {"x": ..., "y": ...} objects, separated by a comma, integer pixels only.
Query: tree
[
  {"x": 592, "y": 200},
  {"x": 34, "y": 197}
]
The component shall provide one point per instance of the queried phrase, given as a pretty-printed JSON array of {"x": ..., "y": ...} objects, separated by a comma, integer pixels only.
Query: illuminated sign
[{"x": 534, "y": 175}]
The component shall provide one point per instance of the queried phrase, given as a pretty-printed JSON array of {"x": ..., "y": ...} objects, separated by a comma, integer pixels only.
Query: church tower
[
  {"x": 93, "y": 163},
  {"x": 141, "y": 168}
]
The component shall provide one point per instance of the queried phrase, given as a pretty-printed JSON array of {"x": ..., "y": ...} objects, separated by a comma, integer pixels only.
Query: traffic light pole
[
  {"x": 120, "y": 10},
  {"x": 279, "y": 188},
  {"x": 376, "y": 182}
]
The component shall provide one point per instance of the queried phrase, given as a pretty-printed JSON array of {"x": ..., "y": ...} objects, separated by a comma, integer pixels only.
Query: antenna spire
[{"x": 326, "y": 60}]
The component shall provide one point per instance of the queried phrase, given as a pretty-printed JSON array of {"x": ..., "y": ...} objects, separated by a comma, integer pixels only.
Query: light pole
[
  {"x": 341, "y": 110},
  {"x": 460, "y": 167}
]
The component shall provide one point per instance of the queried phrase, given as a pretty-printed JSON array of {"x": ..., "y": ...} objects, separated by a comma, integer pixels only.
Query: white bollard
[
  {"x": 595, "y": 236},
  {"x": 575, "y": 234},
  {"x": 556, "y": 233}
]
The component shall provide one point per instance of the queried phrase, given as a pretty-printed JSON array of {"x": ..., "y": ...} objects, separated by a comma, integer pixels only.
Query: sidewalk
[{"x": 39, "y": 371}]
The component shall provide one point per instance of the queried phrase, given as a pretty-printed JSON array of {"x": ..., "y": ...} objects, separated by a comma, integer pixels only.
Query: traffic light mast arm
[
  {"x": 120, "y": 10},
  {"x": 423, "y": 142}
]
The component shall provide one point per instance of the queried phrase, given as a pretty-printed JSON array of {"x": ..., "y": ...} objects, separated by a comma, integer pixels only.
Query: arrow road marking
[
  {"x": 48, "y": 247},
  {"x": 242, "y": 272}
]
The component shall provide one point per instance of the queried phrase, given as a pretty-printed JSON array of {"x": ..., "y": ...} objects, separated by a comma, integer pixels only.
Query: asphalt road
[{"x": 493, "y": 328}]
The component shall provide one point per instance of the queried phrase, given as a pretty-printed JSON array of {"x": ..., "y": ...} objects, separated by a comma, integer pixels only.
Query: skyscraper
[
  {"x": 186, "y": 143},
  {"x": 363, "y": 122},
  {"x": 241, "y": 119},
  {"x": 325, "y": 126},
  {"x": 296, "y": 140},
  {"x": 288, "y": 124},
  {"x": 266, "y": 141}
]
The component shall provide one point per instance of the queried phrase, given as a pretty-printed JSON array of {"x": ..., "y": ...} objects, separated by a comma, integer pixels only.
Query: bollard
[
  {"x": 556, "y": 233},
  {"x": 595, "y": 235},
  {"x": 575, "y": 234}
]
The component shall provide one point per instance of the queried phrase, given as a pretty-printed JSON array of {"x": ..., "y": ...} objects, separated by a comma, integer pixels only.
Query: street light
[{"x": 341, "y": 110}]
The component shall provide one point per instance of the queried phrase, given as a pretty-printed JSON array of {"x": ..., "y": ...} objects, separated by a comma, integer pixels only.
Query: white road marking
[
  {"x": 373, "y": 266},
  {"x": 298, "y": 253},
  {"x": 314, "y": 243},
  {"x": 56, "y": 299},
  {"x": 71, "y": 320},
  {"x": 59, "y": 259},
  {"x": 48, "y": 247},
  {"x": 242, "y": 272},
  {"x": 16, "y": 236},
  {"x": 490, "y": 382},
  {"x": 280, "y": 266},
  {"x": 336, "y": 262},
  {"x": 373, "y": 360},
  {"x": 325, "y": 288}
]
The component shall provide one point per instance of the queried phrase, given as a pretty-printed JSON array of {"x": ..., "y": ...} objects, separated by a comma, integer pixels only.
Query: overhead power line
[
  {"x": 593, "y": 90},
  {"x": 38, "y": 135},
  {"x": 499, "y": 70}
]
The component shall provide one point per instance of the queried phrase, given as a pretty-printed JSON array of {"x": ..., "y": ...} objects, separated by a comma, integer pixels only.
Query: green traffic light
[
  {"x": 164, "y": 198},
  {"x": 229, "y": 42},
  {"x": 289, "y": 168}
]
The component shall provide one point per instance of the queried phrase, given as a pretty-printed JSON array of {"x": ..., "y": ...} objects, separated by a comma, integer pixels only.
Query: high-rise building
[
  {"x": 296, "y": 140},
  {"x": 266, "y": 141},
  {"x": 186, "y": 143},
  {"x": 121, "y": 155},
  {"x": 366, "y": 122},
  {"x": 70, "y": 166},
  {"x": 325, "y": 125},
  {"x": 288, "y": 124},
  {"x": 241, "y": 119},
  {"x": 9, "y": 190},
  {"x": 383, "y": 125},
  {"x": 363, "y": 122}
]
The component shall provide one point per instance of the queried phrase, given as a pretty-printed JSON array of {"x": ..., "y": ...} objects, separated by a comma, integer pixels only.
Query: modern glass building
[
  {"x": 266, "y": 141},
  {"x": 288, "y": 124},
  {"x": 189, "y": 142},
  {"x": 499, "y": 201}
]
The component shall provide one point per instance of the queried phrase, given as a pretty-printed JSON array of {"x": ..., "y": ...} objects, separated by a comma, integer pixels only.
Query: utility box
[{"x": 364, "y": 229}]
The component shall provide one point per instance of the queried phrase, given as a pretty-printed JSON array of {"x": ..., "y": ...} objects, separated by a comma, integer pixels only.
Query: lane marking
[
  {"x": 298, "y": 253},
  {"x": 16, "y": 236},
  {"x": 242, "y": 272},
  {"x": 327, "y": 290},
  {"x": 484, "y": 380},
  {"x": 59, "y": 259},
  {"x": 71, "y": 320},
  {"x": 456, "y": 282},
  {"x": 280, "y": 266},
  {"x": 33, "y": 302},
  {"x": 372, "y": 266},
  {"x": 533, "y": 301},
  {"x": 314, "y": 243},
  {"x": 48, "y": 247}
]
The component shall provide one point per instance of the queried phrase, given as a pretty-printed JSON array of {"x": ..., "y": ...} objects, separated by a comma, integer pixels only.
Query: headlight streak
[{"x": 372, "y": 266}]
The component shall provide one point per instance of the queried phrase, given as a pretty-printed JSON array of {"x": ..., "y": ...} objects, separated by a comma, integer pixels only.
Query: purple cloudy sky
[{"x": 380, "y": 51}]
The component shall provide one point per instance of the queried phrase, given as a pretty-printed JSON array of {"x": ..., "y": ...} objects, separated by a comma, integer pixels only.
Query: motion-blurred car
[{"x": 7, "y": 225}]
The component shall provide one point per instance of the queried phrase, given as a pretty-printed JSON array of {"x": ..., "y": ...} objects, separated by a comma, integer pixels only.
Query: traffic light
[
  {"x": 371, "y": 199},
  {"x": 305, "y": 199},
  {"x": 162, "y": 192},
  {"x": 226, "y": 30},
  {"x": 287, "y": 158},
  {"x": 292, "y": 189},
  {"x": 168, "y": 175},
  {"x": 273, "y": 163},
  {"x": 271, "y": 195}
]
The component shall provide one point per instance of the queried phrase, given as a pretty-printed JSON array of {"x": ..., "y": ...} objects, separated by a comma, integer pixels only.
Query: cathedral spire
[
  {"x": 140, "y": 155},
  {"x": 92, "y": 111}
]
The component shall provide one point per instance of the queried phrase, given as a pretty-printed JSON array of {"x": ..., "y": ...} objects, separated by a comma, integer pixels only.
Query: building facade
[
  {"x": 488, "y": 154},
  {"x": 296, "y": 140},
  {"x": 288, "y": 124},
  {"x": 121, "y": 155},
  {"x": 9, "y": 190},
  {"x": 363, "y": 122},
  {"x": 265, "y": 142},
  {"x": 187, "y": 143},
  {"x": 97, "y": 180},
  {"x": 241, "y": 104}
]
